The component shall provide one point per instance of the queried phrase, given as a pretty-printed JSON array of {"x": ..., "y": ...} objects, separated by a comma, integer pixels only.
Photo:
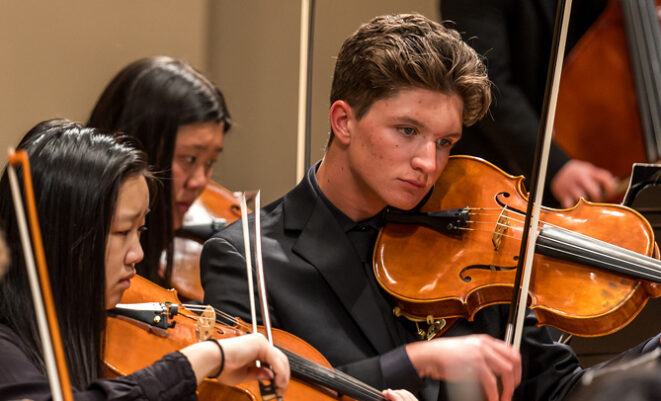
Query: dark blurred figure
[
  {"x": 515, "y": 38},
  {"x": 636, "y": 380}
]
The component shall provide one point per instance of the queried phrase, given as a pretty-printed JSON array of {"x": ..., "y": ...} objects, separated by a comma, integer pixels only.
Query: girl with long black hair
[
  {"x": 92, "y": 195},
  {"x": 179, "y": 117}
]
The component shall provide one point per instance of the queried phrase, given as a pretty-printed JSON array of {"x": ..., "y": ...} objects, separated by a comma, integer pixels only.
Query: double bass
[
  {"x": 608, "y": 114},
  {"x": 609, "y": 102}
]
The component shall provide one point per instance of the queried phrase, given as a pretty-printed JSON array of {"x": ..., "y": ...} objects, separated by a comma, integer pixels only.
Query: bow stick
[
  {"x": 42, "y": 297},
  {"x": 267, "y": 389},
  {"x": 522, "y": 281}
]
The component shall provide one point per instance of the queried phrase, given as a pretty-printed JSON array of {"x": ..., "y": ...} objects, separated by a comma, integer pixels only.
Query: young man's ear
[{"x": 341, "y": 117}]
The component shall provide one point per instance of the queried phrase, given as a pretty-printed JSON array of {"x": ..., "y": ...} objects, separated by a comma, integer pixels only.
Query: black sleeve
[
  {"x": 551, "y": 370},
  {"x": 170, "y": 378},
  {"x": 398, "y": 370},
  {"x": 616, "y": 375},
  {"x": 510, "y": 128}
]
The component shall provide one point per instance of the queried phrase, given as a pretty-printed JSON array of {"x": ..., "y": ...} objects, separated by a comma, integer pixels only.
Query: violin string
[
  {"x": 475, "y": 211},
  {"x": 239, "y": 323},
  {"x": 513, "y": 212},
  {"x": 338, "y": 376},
  {"x": 489, "y": 231},
  {"x": 497, "y": 223},
  {"x": 492, "y": 225},
  {"x": 508, "y": 226},
  {"x": 616, "y": 266},
  {"x": 321, "y": 375}
]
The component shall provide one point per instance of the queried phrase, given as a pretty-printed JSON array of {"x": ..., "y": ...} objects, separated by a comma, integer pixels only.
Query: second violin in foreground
[{"x": 175, "y": 326}]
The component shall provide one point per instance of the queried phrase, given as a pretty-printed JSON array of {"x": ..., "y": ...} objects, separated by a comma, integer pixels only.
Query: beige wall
[
  {"x": 56, "y": 57},
  {"x": 254, "y": 59}
]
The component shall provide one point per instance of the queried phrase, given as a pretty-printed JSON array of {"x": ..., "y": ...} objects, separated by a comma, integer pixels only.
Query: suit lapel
[{"x": 324, "y": 245}]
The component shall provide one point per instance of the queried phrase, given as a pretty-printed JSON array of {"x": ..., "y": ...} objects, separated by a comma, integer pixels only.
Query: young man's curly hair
[{"x": 395, "y": 52}]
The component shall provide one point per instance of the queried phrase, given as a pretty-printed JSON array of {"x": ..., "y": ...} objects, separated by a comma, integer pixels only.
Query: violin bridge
[
  {"x": 205, "y": 324},
  {"x": 502, "y": 225}
]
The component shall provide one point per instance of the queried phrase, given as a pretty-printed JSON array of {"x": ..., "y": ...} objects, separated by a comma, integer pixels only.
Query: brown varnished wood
[
  {"x": 130, "y": 347},
  {"x": 597, "y": 117},
  {"x": 420, "y": 268}
]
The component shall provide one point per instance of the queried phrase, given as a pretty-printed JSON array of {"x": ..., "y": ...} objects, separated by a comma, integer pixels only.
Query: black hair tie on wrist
[{"x": 222, "y": 358}]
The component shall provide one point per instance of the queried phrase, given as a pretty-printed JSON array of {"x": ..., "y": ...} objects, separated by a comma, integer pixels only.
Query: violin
[
  {"x": 150, "y": 333},
  {"x": 215, "y": 208},
  {"x": 595, "y": 265}
]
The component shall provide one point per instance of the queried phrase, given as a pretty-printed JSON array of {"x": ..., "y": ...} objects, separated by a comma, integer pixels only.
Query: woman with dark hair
[
  {"x": 179, "y": 117},
  {"x": 92, "y": 198}
]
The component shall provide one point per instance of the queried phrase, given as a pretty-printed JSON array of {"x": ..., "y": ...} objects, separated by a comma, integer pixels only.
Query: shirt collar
[{"x": 345, "y": 221}]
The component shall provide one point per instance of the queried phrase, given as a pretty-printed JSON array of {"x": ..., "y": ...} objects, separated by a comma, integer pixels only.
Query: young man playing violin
[{"x": 403, "y": 88}]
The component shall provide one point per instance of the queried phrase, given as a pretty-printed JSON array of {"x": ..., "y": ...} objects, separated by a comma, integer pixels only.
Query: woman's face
[
  {"x": 123, "y": 248},
  {"x": 195, "y": 151}
]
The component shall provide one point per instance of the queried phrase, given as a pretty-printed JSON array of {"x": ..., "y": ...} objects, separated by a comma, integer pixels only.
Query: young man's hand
[{"x": 471, "y": 358}]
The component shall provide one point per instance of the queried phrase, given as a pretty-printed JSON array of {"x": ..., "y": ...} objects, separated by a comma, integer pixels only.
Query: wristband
[{"x": 222, "y": 358}]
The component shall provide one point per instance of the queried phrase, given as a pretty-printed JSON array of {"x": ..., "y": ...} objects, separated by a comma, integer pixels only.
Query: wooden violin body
[
  {"x": 131, "y": 346},
  {"x": 429, "y": 273}
]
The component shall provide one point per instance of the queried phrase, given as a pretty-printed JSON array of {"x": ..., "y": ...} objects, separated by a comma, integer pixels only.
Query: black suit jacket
[
  {"x": 514, "y": 37},
  {"x": 316, "y": 285},
  {"x": 317, "y": 290}
]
